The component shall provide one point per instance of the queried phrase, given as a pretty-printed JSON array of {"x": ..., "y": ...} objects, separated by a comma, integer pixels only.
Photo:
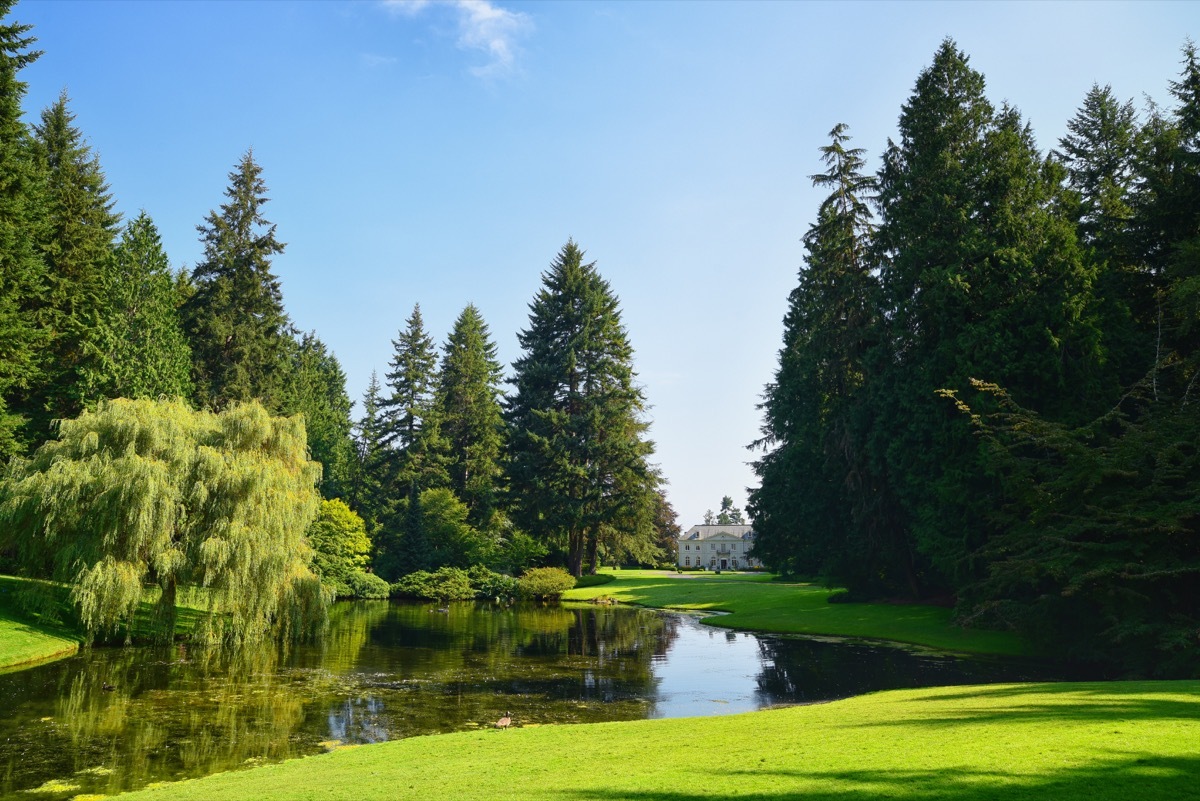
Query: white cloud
[{"x": 482, "y": 26}]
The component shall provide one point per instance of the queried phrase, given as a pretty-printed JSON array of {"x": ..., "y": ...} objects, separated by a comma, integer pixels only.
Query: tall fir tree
[
  {"x": 82, "y": 228},
  {"x": 472, "y": 423},
  {"x": 982, "y": 278},
  {"x": 371, "y": 463},
  {"x": 815, "y": 478},
  {"x": 144, "y": 348},
  {"x": 578, "y": 453},
  {"x": 235, "y": 319},
  {"x": 410, "y": 415},
  {"x": 22, "y": 221},
  {"x": 1099, "y": 152}
]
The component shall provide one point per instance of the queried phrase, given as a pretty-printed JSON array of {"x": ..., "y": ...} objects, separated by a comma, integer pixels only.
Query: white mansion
[{"x": 716, "y": 547}]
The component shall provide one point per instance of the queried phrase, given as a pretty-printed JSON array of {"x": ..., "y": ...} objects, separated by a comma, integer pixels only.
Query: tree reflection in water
[{"x": 116, "y": 719}]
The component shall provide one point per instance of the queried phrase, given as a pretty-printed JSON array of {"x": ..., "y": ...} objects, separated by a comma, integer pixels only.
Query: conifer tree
[
  {"x": 78, "y": 253},
  {"x": 472, "y": 423},
  {"x": 815, "y": 477},
  {"x": 235, "y": 319},
  {"x": 410, "y": 421},
  {"x": 1099, "y": 152},
  {"x": 371, "y": 463},
  {"x": 145, "y": 352},
  {"x": 982, "y": 278},
  {"x": 315, "y": 387},
  {"x": 577, "y": 454},
  {"x": 22, "y": 270}
]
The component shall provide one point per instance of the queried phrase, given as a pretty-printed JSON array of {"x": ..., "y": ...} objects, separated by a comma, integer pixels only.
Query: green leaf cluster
[{"x": 143, "y": 493}]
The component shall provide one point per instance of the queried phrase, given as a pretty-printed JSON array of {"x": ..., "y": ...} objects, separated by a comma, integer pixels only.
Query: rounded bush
[{"x": 545, "y": 583}]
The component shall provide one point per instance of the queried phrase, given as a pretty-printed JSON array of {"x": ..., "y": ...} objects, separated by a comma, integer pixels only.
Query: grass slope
[
  {"x": 24, "y": 641},
  {"x": 1093, "y": 742},
  {"x": 27, "y": 639},
  {"x": 756, "y": 603}
]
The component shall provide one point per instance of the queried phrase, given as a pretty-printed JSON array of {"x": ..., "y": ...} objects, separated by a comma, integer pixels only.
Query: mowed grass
[
  {"x": 24, "y": 640},
  {"x": 1094, "y": 742},
  {"x": 757, "y": 603},
  {"x": 27, "y": 639}
]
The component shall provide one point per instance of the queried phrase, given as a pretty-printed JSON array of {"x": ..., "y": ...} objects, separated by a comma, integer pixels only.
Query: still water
[{"x": 109, "y": 720}]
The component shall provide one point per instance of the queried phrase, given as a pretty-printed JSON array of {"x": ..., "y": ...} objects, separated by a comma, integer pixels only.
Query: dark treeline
[
  {"x": 987, "y": 389},
  {"x": 443, "y": 467}
]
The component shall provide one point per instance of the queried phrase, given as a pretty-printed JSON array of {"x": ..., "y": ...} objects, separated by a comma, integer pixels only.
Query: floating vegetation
[{"x": 54, "y": 786}]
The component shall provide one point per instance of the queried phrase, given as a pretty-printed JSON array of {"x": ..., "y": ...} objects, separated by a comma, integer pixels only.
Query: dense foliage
[
  {"x": 578, "y": 468},
  {"x": 985, "y": 392},
  {"x": 143, "y": 492}
]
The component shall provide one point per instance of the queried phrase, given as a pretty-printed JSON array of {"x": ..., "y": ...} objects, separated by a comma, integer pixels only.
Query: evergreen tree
[
  {"x": 729, "y": 515},
  {"x": 472, "y": 423},
  {"x": 78, "y": 254},
  {"x": 982, "y": 277},
  {"x": 577, "y": 458},
  {"x": 22, "y": 270},
  {"x": 315, "y": 387},
  {"x": 403, "y": 546},
  {"x": 371, "y": 463},
  {"x": 235, "y": 319},
  {"x": 1099, "y": 153},
  {"x": 144, "y": 348},
  {"x": 816, "y": 484},
  {"x": 410, "y": 420}
]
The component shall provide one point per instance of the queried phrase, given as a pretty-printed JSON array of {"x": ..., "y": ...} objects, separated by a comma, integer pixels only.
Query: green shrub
[
  {"x": 444, "y": 584},
  {"x": 491, "y": 586},
  {"x": 545, "y": 583},
  {"x": 594, "y": 580},
  {"x": 366, "y": 585}
]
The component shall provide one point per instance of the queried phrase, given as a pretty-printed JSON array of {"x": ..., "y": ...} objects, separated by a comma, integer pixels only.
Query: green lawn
[
  {"x": 24, "y": 640},
  {"x": 756, "y": 603},
  {"x": 1093, "y": 742},
  {"x": 27, "y": 640}
]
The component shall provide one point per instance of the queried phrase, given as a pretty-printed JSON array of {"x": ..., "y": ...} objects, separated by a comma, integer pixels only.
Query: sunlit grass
[
  {"x": 1094, "y": 742},
  {"x": 27, "y": 638},
  {"x": 755, "y": 602}
]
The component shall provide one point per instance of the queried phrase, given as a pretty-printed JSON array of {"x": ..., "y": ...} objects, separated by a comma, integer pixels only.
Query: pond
[{"x": 114, "y": 719}]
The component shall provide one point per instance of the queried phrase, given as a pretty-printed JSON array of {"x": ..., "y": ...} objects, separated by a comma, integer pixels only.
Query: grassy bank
[
  {"x": 27, "y": 639},
  {"x": 24, "y": 640},
  {"x": 1063, "y": 741},
  {"x": 756, "y": 603}
]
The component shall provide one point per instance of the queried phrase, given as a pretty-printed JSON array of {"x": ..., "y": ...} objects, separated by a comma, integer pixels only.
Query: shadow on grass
[
  {"x": 1093, "y": 702},
  {"x": 1127, "y": 777}
]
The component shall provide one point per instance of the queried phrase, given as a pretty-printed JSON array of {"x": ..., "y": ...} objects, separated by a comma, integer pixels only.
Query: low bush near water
[{"x": 545, "y": 583}]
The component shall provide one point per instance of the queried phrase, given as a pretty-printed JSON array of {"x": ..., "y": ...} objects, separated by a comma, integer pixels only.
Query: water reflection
[{"x": 115, "y": 719}]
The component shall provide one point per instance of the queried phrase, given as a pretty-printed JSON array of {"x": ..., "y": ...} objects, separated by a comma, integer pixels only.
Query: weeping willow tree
[{"x": 143, "y": 494}]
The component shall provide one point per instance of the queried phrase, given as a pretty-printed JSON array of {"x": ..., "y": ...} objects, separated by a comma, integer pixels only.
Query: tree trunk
[{"x": 575, "y": 553}]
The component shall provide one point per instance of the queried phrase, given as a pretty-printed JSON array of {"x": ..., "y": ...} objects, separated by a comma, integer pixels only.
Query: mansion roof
[{"x": 718, "y": 532}]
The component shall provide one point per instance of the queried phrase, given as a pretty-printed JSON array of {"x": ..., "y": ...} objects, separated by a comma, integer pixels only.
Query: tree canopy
[{"x": 143, "y": 492}]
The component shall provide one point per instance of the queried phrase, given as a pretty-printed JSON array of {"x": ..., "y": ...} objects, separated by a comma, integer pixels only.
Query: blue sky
[{"x": 443, "y": 152}]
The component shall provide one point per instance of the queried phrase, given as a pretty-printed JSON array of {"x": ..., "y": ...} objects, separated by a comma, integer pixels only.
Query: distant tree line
[
  {"x": 987, "y": 389},
  {"x": 441, "y": 468}
]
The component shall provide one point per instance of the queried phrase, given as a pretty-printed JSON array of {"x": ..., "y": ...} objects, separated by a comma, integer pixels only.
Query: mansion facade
[{"x": 716, "y": 547}]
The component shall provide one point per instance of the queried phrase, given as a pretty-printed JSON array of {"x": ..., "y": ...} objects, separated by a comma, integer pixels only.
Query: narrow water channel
[{"x": 112, "y": 719}]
